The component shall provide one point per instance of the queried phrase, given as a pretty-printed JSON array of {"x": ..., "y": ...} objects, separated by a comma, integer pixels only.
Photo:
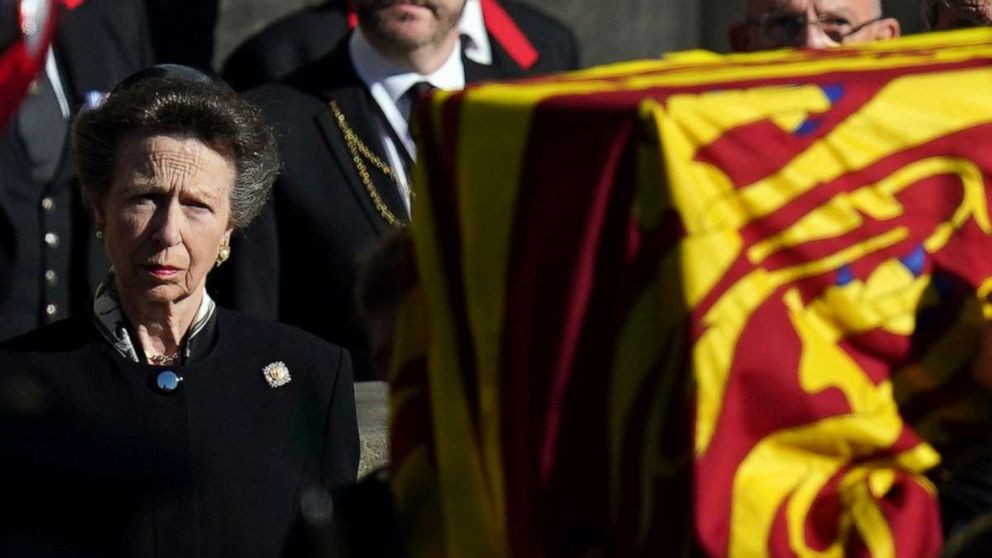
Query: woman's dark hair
[{"x": 177, "y": 100}]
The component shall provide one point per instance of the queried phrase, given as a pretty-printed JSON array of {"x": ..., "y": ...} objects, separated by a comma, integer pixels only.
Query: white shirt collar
[
  {"x": 387, "y": 84},
  {"x": 108, "y": 316},
  {"x": 376, "y": 71},
  {"x": 473, "y": 27}
]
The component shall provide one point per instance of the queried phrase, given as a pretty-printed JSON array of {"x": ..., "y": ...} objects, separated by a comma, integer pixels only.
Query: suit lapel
[
  {"x": 475, "y": 72},
  {"x": 502, "y": 67},
  {"x": 359, "y": 110}
]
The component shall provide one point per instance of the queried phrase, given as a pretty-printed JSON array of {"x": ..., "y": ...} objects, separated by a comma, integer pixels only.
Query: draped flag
[{"x": 707, "y": 304}]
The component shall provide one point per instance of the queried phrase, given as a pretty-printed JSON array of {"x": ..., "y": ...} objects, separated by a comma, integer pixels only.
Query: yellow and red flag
[{"x": 705, "y": 304}]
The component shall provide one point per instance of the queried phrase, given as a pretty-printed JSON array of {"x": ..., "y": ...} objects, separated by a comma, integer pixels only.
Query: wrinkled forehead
[
  {"x": 856, "y": 8},
  {"x": 164, "y": 162}
]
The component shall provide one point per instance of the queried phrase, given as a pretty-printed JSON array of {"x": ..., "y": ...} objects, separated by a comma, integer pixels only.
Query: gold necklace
[
  {"x": 162, "y": 360},
  {"x": 358, "y": 150}
]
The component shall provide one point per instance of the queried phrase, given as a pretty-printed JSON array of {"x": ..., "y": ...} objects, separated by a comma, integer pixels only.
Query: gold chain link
[{"x": 358, "y": 150}]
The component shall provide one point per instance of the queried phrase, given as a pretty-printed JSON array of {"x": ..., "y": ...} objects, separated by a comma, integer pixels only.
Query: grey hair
[{"x": 170, "y": 102}]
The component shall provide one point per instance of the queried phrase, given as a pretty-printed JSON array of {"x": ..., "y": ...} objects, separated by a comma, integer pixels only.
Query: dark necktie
[
  {"x": 411, "y": 96},
  {"x": 416, "y": 92}
]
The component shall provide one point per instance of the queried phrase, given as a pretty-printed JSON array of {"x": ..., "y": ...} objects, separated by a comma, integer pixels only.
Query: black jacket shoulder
[
  {"x": 78, "y": 332},
  {"x": 286, "y": 44},
  {"x": 554, "y": 41},
  {"x": 306, "y": 90},
  {"x": 70, "y": 334},
  {"x": 273, "y": 335}
]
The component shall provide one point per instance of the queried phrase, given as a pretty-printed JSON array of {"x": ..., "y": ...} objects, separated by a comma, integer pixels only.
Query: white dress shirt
[
  {"x": 388, "y": 84},
  {"x": 476, "y": 39}
]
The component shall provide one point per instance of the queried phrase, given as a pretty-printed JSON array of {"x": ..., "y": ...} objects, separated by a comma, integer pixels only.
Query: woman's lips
[{"x": 163, "y": 271}]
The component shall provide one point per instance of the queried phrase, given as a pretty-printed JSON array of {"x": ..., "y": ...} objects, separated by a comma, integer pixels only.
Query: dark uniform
[
  {"x": 253, "y": 448},
  {"x": 49, "y": 261}
]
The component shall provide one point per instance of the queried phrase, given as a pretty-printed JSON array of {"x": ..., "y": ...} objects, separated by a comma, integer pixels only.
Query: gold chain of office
[{"x": 359, "y": 151}]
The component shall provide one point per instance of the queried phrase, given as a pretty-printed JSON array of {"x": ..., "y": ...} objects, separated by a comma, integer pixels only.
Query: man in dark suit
[
  {"x": 347, "y": 151},
  {"x": 818, "y": 24},
  {"x": 51, "y": 262},
  {"x": 306, "y": 35}
]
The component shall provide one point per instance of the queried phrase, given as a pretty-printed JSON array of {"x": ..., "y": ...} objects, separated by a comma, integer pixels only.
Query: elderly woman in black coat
[{"x": 171, "y": 162}]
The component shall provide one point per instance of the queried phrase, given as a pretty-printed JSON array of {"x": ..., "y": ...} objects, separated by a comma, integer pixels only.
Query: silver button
[
  {"x": 48, "y": 204},
  {"x": 52, "y": 239},
  {"x": 167, "y": 381},
  {"x": 51, "y": 277},
  {"x": 51, "y": 309}
]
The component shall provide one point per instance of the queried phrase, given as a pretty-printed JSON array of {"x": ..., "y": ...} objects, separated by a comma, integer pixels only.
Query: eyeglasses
[{"x": 785, "y": 29}]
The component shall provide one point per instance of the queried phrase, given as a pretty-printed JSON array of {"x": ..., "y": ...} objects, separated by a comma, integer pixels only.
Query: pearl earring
[{"x": 223, "y": 254}]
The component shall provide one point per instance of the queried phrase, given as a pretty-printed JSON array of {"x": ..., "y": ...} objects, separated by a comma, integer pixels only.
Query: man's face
[
  {"x": 406, "y": 25},
  {"x": 773, "y": 24},
  {"x": 959, "y": 14}
]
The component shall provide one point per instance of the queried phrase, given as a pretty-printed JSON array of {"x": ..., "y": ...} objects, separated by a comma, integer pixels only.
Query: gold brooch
[{"x": 277, "y": 374}]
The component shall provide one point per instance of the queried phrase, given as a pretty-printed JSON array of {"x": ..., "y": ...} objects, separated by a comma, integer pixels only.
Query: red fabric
[
  {"x": 352, "y": 16},
  {"x": 18, "y": 67},
  {"x": 581, "y": 474},
  {"x": 757, "y": 374},
  {"x": 498, "y": 23},
  {"x": 508, "y": 35}
]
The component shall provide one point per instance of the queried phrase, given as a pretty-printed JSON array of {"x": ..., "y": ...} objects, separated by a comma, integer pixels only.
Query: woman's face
[{"x": 166, "y": 215}]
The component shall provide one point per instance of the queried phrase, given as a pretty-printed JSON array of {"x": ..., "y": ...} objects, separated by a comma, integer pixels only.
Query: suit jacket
[
  {"x": 299, "y": 263},
  {"x": 306, "y": 35},
  {"x": 48, "y": 257},
  {"x": 251, "y": 449}
]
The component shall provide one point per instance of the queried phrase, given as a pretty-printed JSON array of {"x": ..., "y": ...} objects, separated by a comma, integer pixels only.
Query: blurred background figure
[
  {"x": 288, "y": 43},
  {"x": 772, "y": 24},
  {"x": 648, "y": 27},
  {"x": 171, "y": 162},
  {"x": 182, "y": 31},
  {"x": 310, "y": 33},
  {"x": 964, "y": 480},
  {"x": 942, "y": 15},
  {"x": 25, "y": 32},
  {"x": 53, "y": 264},
  {"x": 348, "y": 150}
]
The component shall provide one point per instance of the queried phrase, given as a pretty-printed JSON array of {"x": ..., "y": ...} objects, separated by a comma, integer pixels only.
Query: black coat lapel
[
  {"x": 502, "y": 67},
  {"x": 475, "y": 72},
  {"x": 359, "y": 110}
]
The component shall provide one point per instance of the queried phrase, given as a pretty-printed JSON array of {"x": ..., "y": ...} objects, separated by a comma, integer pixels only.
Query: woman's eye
[
  {"x": 198, "y": 206},
  {"x": 142, "y": 199}
]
